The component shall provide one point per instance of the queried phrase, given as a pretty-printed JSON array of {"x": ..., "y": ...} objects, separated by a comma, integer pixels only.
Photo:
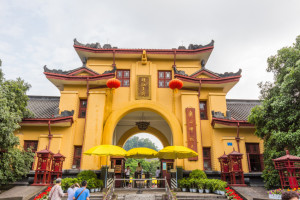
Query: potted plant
[
  {"x": 207, "y": 186},
  {"x": 200, "y": 185},
  {"x": 183, "y": 184},
  {"x": 193, "y": 185},
  {"x": 222, "y": 186},
  {"x": 91, "y": 184},
  {"x": 99, "y": 184},
  {"x": 214, "y": 184}
]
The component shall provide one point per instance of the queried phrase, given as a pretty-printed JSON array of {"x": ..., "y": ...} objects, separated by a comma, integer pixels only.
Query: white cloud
[{"x": 38, "y": 33}]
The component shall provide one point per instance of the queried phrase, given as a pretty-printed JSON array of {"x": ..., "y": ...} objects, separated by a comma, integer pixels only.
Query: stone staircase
[{"x": 200, "y": 197}]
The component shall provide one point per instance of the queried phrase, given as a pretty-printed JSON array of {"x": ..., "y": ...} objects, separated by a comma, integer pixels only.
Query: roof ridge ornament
[
  {"x": 144, "y": 57},
  {"x": 199, "y": 46}
]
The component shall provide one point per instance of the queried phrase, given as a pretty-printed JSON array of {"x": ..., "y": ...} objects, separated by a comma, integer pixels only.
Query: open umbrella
[
  {"x": 175, "y": 152},
  {"x": 106, "y": 150},
  {"x": 141, "y": 152}
]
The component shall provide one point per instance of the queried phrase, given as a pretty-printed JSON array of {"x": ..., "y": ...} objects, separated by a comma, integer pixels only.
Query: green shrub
[
  {"x": 198, "y": 174},
  {"x": 99, "y": 183},
  {"x": 91, "y": 183},
  {"x": 67, "y": 182},
  {"x": 193, "y": 182},
  {"x": 86, "y": 175},
  {"x": 183, "y": 183},
  {"x": 201, "y": 183}
]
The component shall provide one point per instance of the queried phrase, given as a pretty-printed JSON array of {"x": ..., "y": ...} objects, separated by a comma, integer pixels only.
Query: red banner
[{"x": 191, "y": 130}]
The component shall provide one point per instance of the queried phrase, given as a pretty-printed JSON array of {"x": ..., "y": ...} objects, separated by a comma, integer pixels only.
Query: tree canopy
[
  {"x": 277, "y": 119},
  {"x": 135, "y": 141},
  {"x": 148, "y": 166},
  {"x": 14, "y": 161}
]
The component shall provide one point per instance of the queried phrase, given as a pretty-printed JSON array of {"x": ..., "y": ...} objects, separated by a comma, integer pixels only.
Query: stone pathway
[
  {"x": 139, "y": 197},
  {"x": 22, "y": 192},
  {"x": 252, "y": 193}
]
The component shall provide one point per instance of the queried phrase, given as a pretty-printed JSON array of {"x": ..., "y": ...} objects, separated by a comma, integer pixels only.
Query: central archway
[
  {"x": 141, "y": 105},
  {"x": 153, "y": 131}
]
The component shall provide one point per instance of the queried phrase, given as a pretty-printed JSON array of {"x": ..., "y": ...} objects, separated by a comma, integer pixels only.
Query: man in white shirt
[
  {"x": 157, "y": 175},
  {"x": 127, "y": 174}
]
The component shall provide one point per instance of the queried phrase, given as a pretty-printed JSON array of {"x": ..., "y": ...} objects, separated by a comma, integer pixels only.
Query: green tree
[
  {"x": 14, "y": 161},
  {"x": 277, "y": 119},
  {"x": 135, "y": 141},
  {"x": 148, "y": 166}
]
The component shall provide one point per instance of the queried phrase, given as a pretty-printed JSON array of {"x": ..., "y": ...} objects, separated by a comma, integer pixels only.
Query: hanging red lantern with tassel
[
  {"x": 175, "y": 85},
  {"x": 113, "y": 84}
]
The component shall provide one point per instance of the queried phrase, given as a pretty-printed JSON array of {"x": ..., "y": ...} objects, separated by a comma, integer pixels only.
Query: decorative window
[
  {"x": 203, "y": 110},
  {"x": 82, "y": 108},
  {"x": 77, "y": 157},
  {"x": 31, "y": 144},
  {"x": 164, "y": 77},
  {"x": 255, "y": 159},
  {"x": 206, "y": 158},
  {"x": 124, "y": 77}
]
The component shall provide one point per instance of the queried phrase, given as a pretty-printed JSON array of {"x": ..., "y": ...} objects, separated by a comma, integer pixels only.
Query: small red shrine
[
  {"x": 224, "y": 162},
  {"x": 236, "y": 168},
  {"x": 43, "y": 168},
  {"x": 57, "y": 165},
  {"x": 288, "y": 167}
]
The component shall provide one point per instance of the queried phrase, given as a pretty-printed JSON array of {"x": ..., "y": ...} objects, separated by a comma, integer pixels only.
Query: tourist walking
[
  {"x": 157, "y": 175},
  {"x": 56, "y": 192},
  {"x": 72, "y": 190},
  {"x": 82, "y": 193},
  {"x": 290, "y": 195}
]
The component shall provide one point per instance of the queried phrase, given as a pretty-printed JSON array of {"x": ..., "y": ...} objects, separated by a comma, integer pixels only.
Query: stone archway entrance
[{"x": 158, "y": 127}]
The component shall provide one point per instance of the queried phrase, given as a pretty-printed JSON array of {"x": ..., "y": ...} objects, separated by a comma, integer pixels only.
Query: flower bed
[
  {"x": 276, "y": 194},
  {"x": 231, "y": 194},
  {"x": 43, "y": 195}
]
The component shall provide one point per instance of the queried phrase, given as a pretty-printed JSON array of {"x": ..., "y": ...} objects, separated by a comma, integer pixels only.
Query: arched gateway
[{"x": 88, "y": 113}]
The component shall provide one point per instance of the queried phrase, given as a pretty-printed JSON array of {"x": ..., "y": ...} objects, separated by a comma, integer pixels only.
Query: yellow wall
[{"x": 106, "y": 109}]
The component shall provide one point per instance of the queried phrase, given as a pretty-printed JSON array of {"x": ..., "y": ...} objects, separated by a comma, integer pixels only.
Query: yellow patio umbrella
[
  {"x": 106, "y": 150},
  {"x": 176, "y": 152},
  {"x": 141, "y": 152}
]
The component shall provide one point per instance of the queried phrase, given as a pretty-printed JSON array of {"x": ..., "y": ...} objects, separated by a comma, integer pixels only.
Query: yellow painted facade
[{"x": 105, "y": 109}]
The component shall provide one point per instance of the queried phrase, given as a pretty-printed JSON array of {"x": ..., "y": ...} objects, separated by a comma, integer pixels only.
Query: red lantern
[
  {"x": 113, "y": 83},
  {"x": 175, "y": 84}
]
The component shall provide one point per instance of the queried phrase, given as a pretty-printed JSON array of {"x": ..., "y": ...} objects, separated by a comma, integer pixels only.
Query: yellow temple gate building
[{"x": 88, "y": 113}]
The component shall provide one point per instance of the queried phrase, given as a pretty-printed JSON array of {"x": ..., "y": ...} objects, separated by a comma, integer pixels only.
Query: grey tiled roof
[
  {"x": 241, "y": 108},
  {"x": 43, "y": 106}
]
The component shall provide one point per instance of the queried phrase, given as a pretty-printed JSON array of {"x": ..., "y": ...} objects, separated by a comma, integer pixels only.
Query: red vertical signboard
[{"x": 191, "y": 130}]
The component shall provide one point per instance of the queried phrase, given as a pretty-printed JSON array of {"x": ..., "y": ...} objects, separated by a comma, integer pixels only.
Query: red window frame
[
  {"x": 123, "y": 75},
  {"x": 203, "y": 110},
  {"x": 33, "y": 144},
  {"x": 165, "y": 80},
  {"x": 82, "y": 108},
  {"x": 77, "y": 156},
  {"x": 255, "y": 159},
  {"x": 206, "y": 158}
]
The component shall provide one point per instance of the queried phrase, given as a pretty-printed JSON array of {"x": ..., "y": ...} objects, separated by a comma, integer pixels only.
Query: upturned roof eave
[{"x": 231, "y": 122}]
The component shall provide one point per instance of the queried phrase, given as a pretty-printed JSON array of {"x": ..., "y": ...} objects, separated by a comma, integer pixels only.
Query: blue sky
[{"x": 36, "y": 33}]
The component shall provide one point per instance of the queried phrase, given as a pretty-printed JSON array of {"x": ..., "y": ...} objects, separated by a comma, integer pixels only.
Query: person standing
[
  {"x": 82, "y": 193},
  {"x": 56, "y": 192},
  {"x": 72, "y": 190},
  {"x": 127, "y": 175},
  {"x": 157, "y": 175}
]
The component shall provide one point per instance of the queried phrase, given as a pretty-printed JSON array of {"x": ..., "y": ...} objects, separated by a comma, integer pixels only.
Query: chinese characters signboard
[
  {"x": 143, "y": 87},
  {"x": 191, "y": 130}
]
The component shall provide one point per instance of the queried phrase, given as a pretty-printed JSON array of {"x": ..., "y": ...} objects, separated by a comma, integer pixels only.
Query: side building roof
[
  {"x": 240, "y": 108},
  {"x": 43, "y": 106},
  {"x": 47, "y": 107}
]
